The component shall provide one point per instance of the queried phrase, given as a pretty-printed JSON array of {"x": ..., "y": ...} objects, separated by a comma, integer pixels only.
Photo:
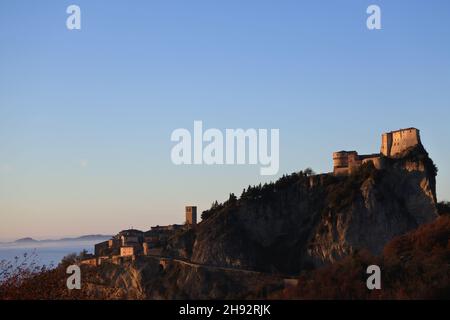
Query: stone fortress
[{"x": 393, "y": 145}]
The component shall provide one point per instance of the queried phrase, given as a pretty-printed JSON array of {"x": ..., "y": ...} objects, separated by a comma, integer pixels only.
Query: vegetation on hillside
[
  {"x": 24, "y": 279},
  {"x": 413, "y": 266},
  {"x": 340, "y": 191},
  {"x": 262, "y": 192}
]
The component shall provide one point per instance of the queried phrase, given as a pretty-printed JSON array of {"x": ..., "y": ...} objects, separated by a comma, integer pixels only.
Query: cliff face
[
  {"x": 302, "y": 221},
  {"x": 147, "y": 278},
  {"x": 414, "y": 266},
  {"x": 387, "y": 203}
]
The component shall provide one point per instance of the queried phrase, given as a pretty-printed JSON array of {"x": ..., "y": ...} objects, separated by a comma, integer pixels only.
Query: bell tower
[{"x": 191, "y": 215}]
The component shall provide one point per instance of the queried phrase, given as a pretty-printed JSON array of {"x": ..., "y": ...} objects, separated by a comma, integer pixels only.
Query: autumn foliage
[
  {"x": 413, "y": 266},
  {"x": 24, "y": 279}
]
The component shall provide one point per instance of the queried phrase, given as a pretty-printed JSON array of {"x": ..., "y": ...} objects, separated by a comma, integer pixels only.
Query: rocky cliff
[
  {"x": 385, "y": 203},
  {"x": 149, "y": 278},
  {"x": 303, "y": 221}
]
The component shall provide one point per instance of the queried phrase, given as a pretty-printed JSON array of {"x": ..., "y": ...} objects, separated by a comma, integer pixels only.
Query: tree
[{"x": 309, "y": 172}]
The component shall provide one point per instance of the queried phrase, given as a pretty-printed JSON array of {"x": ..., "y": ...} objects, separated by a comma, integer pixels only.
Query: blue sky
[{"x": 86, "y": 116}]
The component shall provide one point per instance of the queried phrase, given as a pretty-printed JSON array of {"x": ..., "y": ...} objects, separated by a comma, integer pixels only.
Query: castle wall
[
  {"x": 377, "y": 162},
  {"x": 386, "y": 144},
  {"x": 354, "y": 162},
  {"x": 341, "y": 171}
]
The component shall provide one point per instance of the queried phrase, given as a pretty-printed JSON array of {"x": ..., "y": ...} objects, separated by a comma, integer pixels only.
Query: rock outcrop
[
  {"x": 303, "y": 221},
  {"x": 147, "y": 278},
  {"x": 387, "y": 203}
]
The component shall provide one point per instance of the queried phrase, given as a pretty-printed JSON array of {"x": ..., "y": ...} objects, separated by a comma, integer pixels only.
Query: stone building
[
  {"x": 102, "y": 248},
  {"x": 107, "y": 248},
  {"x": 393, "y": 144},
  {"x": 191, "y": 215},
  {"x": 130, "y": 237},
  {"x": 127, "y": 251},
  {"x": 131, "y": 243}
]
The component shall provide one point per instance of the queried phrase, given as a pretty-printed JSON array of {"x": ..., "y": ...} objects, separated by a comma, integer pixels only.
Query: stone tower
[
  {"x": 191, "y": 215},
  {"x": 395, "y": 142},
  {"x": 345, "y": 161}
]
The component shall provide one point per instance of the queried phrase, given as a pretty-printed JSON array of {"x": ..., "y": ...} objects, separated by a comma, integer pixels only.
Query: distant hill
[
  {"x": 81, "y": 238},
  {"x": 84, "y": 238},
  {"x": 25, "y": 240}
]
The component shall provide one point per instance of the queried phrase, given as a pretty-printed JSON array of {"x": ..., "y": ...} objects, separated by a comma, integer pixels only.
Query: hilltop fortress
[{"x": 393, "y": 145}]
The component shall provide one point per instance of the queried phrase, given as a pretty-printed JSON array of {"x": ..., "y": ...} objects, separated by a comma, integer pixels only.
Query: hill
[
  {"x": 25, "y": 240},
  {"x": 305, "y": 221},
  {"x": 81, "y": 238}
]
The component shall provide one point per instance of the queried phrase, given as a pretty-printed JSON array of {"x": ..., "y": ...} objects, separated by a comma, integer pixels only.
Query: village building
[{"x": 128, "y": 244}]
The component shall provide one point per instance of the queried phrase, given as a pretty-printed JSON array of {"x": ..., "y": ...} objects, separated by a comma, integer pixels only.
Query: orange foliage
[{"x": 413, "y": 266}]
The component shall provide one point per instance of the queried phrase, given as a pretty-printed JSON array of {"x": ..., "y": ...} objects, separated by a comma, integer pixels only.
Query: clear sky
[{"x": 86, "y": 116}]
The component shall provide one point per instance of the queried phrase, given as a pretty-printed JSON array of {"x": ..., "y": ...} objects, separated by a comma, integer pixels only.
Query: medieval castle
[{"x": 393, "y": 145}]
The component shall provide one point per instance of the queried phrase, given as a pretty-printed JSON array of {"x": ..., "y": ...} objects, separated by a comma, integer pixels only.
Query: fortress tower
[
  {"x": 395, "y": 142},
  {"x": 345, "y": 161}
]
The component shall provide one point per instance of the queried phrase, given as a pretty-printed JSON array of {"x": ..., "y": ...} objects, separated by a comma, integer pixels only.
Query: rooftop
[{"x": 399, "y": 130}]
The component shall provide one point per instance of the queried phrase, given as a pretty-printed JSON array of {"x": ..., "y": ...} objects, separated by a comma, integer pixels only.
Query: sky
[{"x": 86, "y": 115}]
